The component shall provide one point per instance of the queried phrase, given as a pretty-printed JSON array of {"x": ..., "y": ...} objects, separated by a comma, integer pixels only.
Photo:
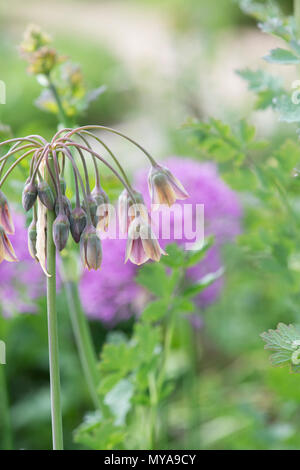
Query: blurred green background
[{"x": 162, "y": 61}]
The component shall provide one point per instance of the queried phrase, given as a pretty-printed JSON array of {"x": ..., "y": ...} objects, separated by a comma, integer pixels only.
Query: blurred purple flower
[
  {"x": 110, "y": 294},
  {"x": 23, "y": 282}
]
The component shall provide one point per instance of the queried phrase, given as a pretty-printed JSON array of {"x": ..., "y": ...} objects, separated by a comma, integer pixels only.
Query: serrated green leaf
[
  {"x": 118, "y": 400},
  {"x": 175, "y": 257},
  {"x": 148, "y": 339},
  {"x": 282, "y": 56},
  {"x": 285, "y": 341},
  {"x": 153, "y": 276},
  {"x": 155, "y": 311},
  {"x": 99, "y": 434},
  {"x": 288, "y": 111},
  {"x": 110, "y": 358}
]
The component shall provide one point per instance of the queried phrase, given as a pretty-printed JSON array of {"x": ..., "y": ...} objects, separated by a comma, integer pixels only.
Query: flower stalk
[{"x": 56, "y": 412}]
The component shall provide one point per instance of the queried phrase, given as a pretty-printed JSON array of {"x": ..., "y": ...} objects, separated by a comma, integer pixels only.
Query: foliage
[{"x": 133, "y": 370}]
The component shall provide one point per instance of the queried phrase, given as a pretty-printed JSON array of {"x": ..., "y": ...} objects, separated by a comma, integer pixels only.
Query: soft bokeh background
[{"x": 162, "y": 61}]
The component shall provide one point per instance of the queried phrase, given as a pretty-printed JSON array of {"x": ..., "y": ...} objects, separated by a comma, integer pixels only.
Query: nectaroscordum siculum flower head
[{"x": 45, "y": 191}]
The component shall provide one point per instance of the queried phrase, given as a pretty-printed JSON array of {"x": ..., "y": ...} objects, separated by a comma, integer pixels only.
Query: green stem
[
  {"x": 79, "y": 321},
  {"x": 153, "y": 410},
  {"x": 61, "y": 112},
  {"x": 83, "y": 340},
  {"x": 6, "y": 431},
  {"x": 56, "y": 412},
  {"x": 297, "y": 15}
]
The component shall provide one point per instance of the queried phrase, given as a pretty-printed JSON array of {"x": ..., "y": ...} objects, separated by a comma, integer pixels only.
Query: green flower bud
[
  {"x": 32, "y": 237},
  {"x": 78, "y": 221},
  {"x": 29, "y": 195},
  {"x": 66, "y": 206},
  {"x": 92, "y": 204},
  {"x": 46, "y": 195},
  {"x": 90, "y": 248},
  {"x": 61, "y": 230}
]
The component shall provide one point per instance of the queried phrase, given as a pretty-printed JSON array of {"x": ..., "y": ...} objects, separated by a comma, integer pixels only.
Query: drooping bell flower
[
  {"x": 164, "y": 187},
  {"x": 102, "y": 213},
  {"x": 142, "y": 244},
  {"x": 129, "y": 208},
  {"x": 90, "y": 248},
  {"x": 77, "y": 223},
  {"x": 5, "y": 215},
  {"x": 103, "y": 217},
  {"x": 7, "y": 252}
]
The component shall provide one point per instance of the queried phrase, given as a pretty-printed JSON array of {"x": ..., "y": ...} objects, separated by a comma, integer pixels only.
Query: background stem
[
  {"x": 83, "y": 340},
  {"x": 56, "y": 414},
  {"x": 5, "y": 423},
  {"x": 297, "y": 15}
]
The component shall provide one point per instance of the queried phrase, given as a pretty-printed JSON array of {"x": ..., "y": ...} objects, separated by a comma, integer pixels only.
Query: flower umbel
[{"x": 45, "y": 192}]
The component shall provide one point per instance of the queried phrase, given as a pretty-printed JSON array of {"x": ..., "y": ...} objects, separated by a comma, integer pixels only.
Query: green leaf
[
  {"x": 247, "y": 131},
  {"x": 194, "y": 256},
  {"x": 266, "y": 86},
  {"x": 183, "y": 305},
  {"x": 153, "y": 276},
  {"x": 282, "y": 56},
  {"x": 260, "y": 11},
  {"x": 118, "y": 400},
  {"x": 155, "y": 311},
  {"x": 288, "y": 111},
  {"x": 175, "y": 257},
  {"x": 285, "y": 341},
  {"x": 110, "y": 358},
  {"x": 206, "y": 281},
  {"x": 107, "y": 382},
  {"x": 148, "y": 339},
  {"x": 98, "y": 434}
]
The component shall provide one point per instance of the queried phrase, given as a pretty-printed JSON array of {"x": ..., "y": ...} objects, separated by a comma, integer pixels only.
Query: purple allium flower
[
  {"x": 110, "y": 294},
  {"x": 22, "y": 282}
]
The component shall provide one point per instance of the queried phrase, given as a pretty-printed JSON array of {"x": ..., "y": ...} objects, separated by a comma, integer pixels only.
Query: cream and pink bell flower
[
  {"x": 128, "y": 209},
  {"x": 7, "y": 252},
  {"x": 5, "y": 215},
  {"x": 142, "y": 244},
  {"x": 164, "y": 187}
]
